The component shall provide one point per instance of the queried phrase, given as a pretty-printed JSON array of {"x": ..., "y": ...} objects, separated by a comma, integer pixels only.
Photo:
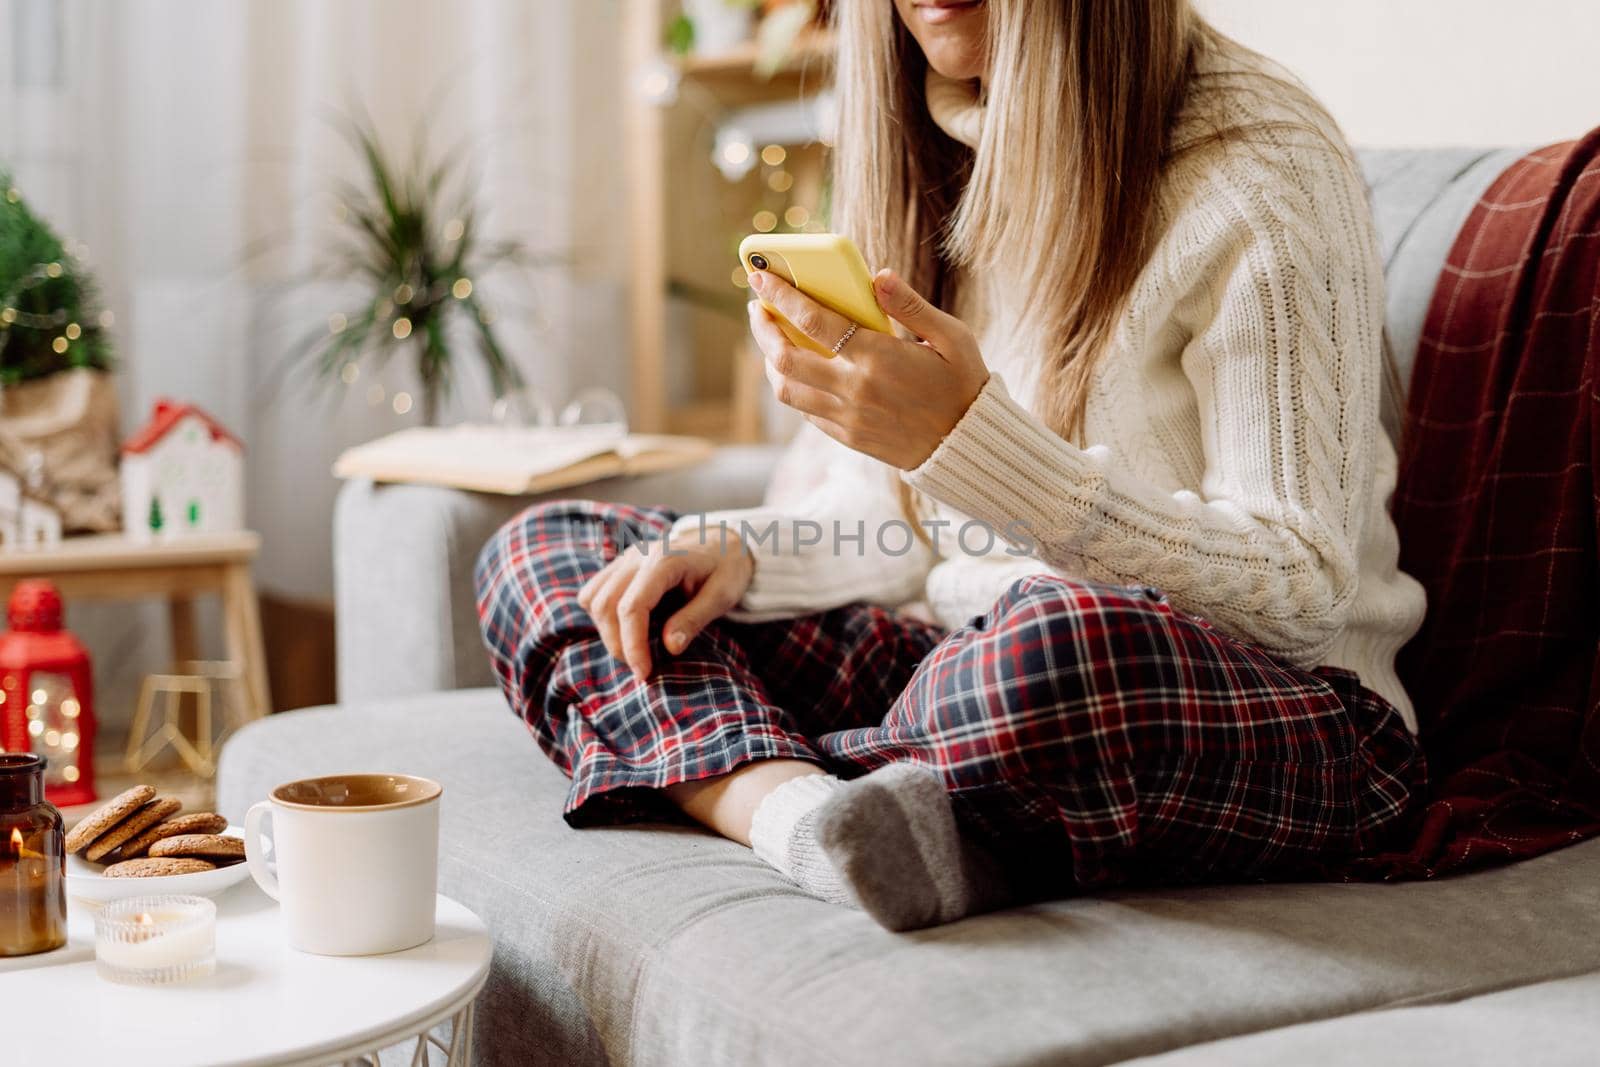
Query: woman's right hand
[{"x": 714, "y": 576}]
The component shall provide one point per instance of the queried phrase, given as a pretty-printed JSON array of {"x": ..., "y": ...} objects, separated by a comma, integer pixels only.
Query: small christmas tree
[
  {"x": 49, "y": 319},
  {"x": 156, "y": 521}
]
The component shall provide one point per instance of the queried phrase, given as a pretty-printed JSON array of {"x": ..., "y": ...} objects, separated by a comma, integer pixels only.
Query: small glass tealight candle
[{"x": 156, "y": 940}]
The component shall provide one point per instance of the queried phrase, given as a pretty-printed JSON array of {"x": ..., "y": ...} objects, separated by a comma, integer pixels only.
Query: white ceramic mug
[{"x": 357, "y": 861}]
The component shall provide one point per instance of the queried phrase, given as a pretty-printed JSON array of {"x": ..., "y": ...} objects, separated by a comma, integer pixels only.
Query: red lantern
[{"x": 47, "y": 693}]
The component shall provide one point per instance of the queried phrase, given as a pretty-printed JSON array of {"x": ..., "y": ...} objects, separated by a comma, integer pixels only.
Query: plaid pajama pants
[{"x": 1090, "y": 735}]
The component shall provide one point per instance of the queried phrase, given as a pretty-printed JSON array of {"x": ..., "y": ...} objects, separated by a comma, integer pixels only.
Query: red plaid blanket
[{"x": 1498, "y": 514}]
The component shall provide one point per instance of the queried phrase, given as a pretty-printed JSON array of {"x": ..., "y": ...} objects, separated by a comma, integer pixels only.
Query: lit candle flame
[{"x": 20, "y": 850}]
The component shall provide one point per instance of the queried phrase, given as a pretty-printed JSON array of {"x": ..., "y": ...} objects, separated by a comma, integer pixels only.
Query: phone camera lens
[{"x": 758, "y": 261}]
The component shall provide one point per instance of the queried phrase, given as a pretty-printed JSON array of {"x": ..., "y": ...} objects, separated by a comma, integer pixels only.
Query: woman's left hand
[{"x": 893, "y": 399}]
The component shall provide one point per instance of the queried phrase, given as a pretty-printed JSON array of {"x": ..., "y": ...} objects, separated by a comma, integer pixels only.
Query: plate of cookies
[{"x": 142, "y": 842}]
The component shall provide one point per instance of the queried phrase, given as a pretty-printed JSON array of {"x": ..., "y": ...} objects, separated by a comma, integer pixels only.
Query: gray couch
[{"x": 669, "y": 946}]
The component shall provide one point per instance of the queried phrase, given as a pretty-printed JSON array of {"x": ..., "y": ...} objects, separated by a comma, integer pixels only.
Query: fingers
[
  {"x": 806, "y": 399},
  {"x": 909, "y": 308},
  {"x": 644, "y": 592},
  {"x": 820, "y": 324},
  {"x": 599, "y": 597},
  {"x": 799, "y": 378},
  {"x": 715, "y": 599}
]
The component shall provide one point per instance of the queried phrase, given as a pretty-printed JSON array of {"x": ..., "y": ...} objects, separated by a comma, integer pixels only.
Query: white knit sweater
[{"x": 1236, "y": 459}]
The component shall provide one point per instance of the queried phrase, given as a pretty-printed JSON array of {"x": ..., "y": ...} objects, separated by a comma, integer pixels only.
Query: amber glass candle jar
[{"x": 33, "y": 857}]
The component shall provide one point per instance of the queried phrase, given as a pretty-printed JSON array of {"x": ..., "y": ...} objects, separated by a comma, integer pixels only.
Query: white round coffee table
[{"x": 267, "y": 1003}]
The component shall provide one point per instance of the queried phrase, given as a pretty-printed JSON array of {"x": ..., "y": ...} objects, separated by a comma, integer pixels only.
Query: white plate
[{"x": 86, "y": 883}]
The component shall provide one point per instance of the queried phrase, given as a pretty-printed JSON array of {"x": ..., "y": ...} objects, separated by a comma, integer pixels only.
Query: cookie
[
  {"x": 204, "y": 846},
  {"x": 98, "y": 822},
  {"x": 134, "y": 825},
  {"x": 199, "y": 822},
  {"x": 156, "y": 868}
]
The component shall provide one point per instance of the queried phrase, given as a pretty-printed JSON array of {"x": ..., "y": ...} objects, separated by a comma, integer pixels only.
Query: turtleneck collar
[{"x": 955, "y": 107}]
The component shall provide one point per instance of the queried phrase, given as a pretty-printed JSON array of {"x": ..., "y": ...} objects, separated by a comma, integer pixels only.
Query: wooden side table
[{"x": 110, "y": 567}]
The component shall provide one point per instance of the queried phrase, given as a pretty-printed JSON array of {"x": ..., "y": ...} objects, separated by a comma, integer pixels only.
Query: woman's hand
[
  {"x": 893, "y": 399},
  {"x": 713, "y": 574}
]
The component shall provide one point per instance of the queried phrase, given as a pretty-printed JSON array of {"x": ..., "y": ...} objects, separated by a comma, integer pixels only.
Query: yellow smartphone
[{"x": 827, "y": 267}]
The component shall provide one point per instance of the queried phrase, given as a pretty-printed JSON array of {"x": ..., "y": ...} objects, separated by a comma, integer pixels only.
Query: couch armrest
[{"x": 403, "y": 558}]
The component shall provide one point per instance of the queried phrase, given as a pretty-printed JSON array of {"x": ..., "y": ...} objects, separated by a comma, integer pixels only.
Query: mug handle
[{"x": 253, "y": 855}]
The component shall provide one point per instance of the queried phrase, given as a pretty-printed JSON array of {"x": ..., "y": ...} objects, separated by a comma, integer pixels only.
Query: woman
[{"x": 1157, "y": 367}]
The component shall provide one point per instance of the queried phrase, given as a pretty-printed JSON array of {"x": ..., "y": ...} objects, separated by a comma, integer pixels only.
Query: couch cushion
[
  {"x": 667, "y": 945},
  {"x": 1419, "y": 201},
  {"x": 1547, "y": 1023}
]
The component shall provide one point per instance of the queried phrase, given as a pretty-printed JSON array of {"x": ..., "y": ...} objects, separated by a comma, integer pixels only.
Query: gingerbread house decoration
[
  {"x": 26, "y": 521},
  {"x": 182, "y": 474}
]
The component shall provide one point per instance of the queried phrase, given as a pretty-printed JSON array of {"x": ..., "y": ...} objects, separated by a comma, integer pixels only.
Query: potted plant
[
  {"x": 419, "y": 261},
  {"x": 715, "y": 27}
]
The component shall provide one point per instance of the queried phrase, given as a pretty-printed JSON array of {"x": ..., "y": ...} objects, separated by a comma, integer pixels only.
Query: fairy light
[
  {"x": 454, "y": 229},
  {"x": 349, "y": 373},
  {"x": 773, "y": 155},
  {"x": 12, "y": 196},
  {"x": 797, "y": 216},
  {"x": 337, "y": 323},
  {"x": 764, "y": 221},
  {"x": 780, "y": 181},
  {"x": 403, "y": 293},
  {"x": 462, "y": 288},
  {"x": 402, "y": 328},
  {"x": 734, "y": 153},
  {"x": 658, "y": 82},
  {"x": 73, "y": 331},
  {"x": 52, "y": 270},
  {"x": 402, "y": 403},
  {"x": 59, "y": 345},
  {"x": 107, "y": 319},
  {"x": 8, "y": 315},
  {"x": 740, "y": 280}
]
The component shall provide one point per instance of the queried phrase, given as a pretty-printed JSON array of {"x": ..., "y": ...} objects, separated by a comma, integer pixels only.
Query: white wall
[{"x": 1434, "y": 72}]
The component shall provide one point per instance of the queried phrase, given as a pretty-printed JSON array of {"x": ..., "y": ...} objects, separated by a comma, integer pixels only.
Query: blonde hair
[{"x": 1081, "y": 104}]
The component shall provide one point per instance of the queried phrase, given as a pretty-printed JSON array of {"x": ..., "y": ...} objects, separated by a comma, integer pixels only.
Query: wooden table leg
[
  {"x": 245, "y": 645},
  {"x": 185, "y": 646},
  {"x": 185, "y": 650}
]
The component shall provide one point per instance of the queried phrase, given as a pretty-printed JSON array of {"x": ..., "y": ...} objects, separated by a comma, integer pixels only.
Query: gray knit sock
[
  {"x": 783, "y": 833},
  {"x": 893, "y": 839},
  {"x": 887, "y": 843}
]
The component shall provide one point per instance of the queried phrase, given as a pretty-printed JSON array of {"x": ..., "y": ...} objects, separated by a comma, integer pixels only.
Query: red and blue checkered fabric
[
  {"x": 1092, "y": 735},
  {"x": 1498, "y": 508}
]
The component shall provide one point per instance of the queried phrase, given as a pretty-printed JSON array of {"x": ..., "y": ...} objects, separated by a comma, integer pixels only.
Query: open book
[{"x": 515, "y": 460}]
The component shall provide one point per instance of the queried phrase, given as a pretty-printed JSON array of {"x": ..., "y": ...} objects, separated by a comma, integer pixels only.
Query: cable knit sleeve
[
  {"x": 845, "y": 541},
  {"x": 1273, "y": 286}
]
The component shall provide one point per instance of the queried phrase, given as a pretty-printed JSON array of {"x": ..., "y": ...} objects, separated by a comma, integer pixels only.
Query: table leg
[
  {"x": 245, "y": 645},
  {"x": 185, "y": 650},
  {"x": 180, "y": 618}
]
